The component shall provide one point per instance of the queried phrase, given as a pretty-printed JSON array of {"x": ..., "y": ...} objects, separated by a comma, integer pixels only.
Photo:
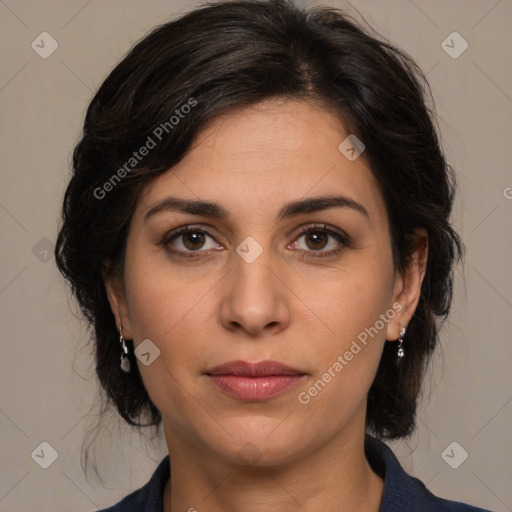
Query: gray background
[{"x": 48, "y": 389}]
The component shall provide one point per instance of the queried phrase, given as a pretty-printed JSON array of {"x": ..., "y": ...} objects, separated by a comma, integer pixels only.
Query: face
[{"x": 262, "y": 276}]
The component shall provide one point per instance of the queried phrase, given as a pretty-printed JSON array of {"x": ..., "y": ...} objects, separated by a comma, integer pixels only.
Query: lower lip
[{"x": 255, "y": 388}]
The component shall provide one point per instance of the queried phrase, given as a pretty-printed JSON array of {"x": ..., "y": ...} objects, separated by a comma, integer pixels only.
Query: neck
[{"x": 336, "y": 477}]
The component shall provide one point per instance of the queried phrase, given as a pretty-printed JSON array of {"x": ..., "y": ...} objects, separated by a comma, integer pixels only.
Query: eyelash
[{"x": 342, "y": 238}]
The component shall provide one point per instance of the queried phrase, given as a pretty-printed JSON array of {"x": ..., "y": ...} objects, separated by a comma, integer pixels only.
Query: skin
[{"x": 289, "y": 305}]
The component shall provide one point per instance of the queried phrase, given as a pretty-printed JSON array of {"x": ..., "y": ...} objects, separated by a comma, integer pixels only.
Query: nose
[{"x": 255, "y": 297}]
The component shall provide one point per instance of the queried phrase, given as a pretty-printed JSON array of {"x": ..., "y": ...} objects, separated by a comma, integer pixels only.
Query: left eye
[{"x": 320, "y": 239}]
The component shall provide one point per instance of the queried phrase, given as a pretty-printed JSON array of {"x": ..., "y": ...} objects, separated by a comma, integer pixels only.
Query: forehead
[{"x": 255, "y": 159}]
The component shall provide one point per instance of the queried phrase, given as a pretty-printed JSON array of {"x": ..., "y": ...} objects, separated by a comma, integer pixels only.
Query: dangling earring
[
  {"x": 401, "y": 352},
  {"x": 125, "y": 362}
]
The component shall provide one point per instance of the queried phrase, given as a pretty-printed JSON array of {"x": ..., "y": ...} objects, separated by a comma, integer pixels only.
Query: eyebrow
[{"x": 291, "y": 209}]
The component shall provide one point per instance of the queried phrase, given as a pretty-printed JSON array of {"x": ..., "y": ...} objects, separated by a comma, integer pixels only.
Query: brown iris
[
  {"x": 320, "y": 239},
  {"x": 193, "y": 240}
]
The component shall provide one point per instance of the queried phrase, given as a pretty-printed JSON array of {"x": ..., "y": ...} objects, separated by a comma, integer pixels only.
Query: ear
[
  {"x": 116, "y": 297},
  {"x": 407, "y": 287}
]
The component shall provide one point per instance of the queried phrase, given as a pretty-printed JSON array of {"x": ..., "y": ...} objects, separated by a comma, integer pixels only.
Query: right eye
[{"x": 187, "y": 240}]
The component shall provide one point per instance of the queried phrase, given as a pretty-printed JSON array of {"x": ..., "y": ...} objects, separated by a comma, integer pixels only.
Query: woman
[{"x": 258, "y": 229}]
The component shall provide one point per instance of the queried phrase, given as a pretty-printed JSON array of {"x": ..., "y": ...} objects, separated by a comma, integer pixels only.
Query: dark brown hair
[{"x": 232, "y": 54}]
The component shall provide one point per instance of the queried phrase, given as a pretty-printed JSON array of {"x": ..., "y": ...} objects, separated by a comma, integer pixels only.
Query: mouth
[{"x": 254, "y": 381}]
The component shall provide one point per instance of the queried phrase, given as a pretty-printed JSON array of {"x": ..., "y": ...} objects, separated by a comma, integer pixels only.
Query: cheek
[
  {"x": 353, "y": 308},
  {"x": 353, "y": 296},
  {"x": 161, "y": 308},
  {"x": 174, "y": 319},
  {"x": 160, "y": 296},
  {"x": 166, "y": 309}
]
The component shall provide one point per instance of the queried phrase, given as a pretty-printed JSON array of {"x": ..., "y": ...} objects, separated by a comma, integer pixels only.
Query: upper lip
[{"x": 258, "y": 369}]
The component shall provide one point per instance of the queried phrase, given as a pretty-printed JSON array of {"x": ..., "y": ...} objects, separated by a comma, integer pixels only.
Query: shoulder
[
  {"x": 402, "y": 492},
  {"x": 148, "y": 498}
]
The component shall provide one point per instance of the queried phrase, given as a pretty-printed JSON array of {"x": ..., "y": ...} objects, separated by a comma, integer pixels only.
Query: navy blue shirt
[{"x": 402, "y": 492}]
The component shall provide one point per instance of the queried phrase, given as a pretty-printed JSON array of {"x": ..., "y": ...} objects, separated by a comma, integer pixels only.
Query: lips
[
  {"x": 263, "y": 368},
  {"x": 254, "y": 381}
]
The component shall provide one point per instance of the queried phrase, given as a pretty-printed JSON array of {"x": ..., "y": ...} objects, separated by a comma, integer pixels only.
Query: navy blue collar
[{"x": 402, "y": 492}]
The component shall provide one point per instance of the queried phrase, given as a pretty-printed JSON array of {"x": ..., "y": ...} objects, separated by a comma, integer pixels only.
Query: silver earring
[
  {"x": 125, "y": 362},
  {"x": 401, "y": 352}
]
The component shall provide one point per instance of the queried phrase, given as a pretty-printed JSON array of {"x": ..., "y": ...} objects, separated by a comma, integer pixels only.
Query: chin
[{"x": 263, "y": 442}]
